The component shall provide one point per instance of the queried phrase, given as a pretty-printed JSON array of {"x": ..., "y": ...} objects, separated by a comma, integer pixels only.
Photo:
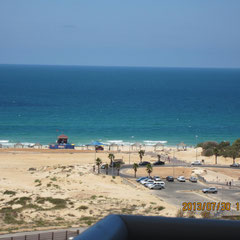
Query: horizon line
[{"x": 114, "y": 66}]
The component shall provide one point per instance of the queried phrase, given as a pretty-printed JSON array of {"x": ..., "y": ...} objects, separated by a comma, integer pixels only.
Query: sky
[{"x": 154, "y": 33}]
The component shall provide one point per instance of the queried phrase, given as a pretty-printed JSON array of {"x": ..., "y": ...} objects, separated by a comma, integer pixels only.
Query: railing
[{"x": 57, "y": 235}]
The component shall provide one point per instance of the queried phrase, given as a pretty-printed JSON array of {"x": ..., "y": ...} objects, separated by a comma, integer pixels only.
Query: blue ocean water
[{"x": 37, "y": 103}]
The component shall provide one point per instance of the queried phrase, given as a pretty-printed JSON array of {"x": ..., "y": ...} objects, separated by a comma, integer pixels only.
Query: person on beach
[{"x": 94, "y": 168}]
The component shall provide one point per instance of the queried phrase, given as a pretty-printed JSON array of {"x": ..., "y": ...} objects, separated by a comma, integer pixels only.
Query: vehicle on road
[
  {"x": 193, "y": 179},
  {"x": 141, "y": 178},
  {"x": 170, "y": 179},
  {"x": 235, "y": 165},
  {"x": 144, "y": 163},
  {"x": 156, "y": 186},
  {"x": 181, "y": 179},
  {"x": 210, "y": 190},
  {"x": 197, "y": 162},
  {"x": 158, "y": 163}
]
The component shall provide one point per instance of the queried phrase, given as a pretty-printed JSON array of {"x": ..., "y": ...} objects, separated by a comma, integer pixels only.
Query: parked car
[
  {"x": 141, "y": 178},
  {"x": 170, "y": 179},
  {"x": 156, "y": 178},
  {"x": 196, "y": 163},
  {"x": 103, "y": 166},
  {"x": 181, "y": 179},
  {"x": 235, "y": 165},
  {"x": 144, "y": 163},
  {"x": 158, "y": 163},
  {"x": 193, "y": 179},
  {"x": 150, "y": 181},
  {"x": 146, "y": 181},
  {"x": 156, "y": 186},
  {"x": 210, "y": 190}
]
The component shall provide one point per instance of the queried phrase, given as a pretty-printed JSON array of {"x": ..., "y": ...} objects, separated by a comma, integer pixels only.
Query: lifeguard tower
[
  {"x": 62, "y": 139},
  {"x": 62, "y": 143}
]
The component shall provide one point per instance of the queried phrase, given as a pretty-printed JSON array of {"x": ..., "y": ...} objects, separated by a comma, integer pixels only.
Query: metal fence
[{"x": 57, "y": 235}]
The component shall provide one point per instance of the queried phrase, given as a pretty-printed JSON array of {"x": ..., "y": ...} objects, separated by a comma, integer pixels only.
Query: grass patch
[
  {"x": 82, "y": 207},
  {"x": 22, "y": 201},
  {"x": 8, "y": 192},
  {"x": 160, "y": 208},
  {"x": 9, "y": 216},
  {"x": 53, "y": 179},
  {"x": 93, "y": 197},
  {"x": 58, "y": 202}
]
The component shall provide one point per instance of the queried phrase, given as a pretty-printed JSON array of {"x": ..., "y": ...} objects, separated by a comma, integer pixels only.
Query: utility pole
[{"x": 196, "y": 145}]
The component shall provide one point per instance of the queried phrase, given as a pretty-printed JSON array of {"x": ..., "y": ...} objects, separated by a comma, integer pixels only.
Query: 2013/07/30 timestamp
[{"x": 209, "y": 206}]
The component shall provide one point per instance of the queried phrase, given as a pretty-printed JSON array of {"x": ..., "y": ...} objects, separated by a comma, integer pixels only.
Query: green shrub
[
  {"x": 8, "y": 192},
  {"x": 208, "y": 152},
  {"x": 82, "y": 207}
]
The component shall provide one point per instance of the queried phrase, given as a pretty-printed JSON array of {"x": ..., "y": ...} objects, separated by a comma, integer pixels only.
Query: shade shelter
[
  {"x": 37, "y": 145},
  {"x": 158, "y": 145},
  {"x": 182, "y": 146},
  {"x": 113, "y": 146},
  {"x": 18, "y": 145},
  {"x": 96, "y": 144},
  {"x": 136, "y": 146}
]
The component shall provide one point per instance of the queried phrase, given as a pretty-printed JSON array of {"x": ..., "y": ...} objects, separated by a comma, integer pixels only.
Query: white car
[
  {"x": 210, "y": 190},
  {"x": 145, "y": 181},
  {"x": 156, "y": 186},
  {"x": 196, "y": 163},
  {"x": 149, "y": 185},
  {"x": 181, "y": 179},
  {"x": 157, "y": 178}
]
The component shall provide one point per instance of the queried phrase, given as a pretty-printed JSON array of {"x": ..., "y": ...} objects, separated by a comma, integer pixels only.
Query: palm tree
[
  {"x": 216, "y": 153},
  {"x": 106, "y": 168},
  {"x": 98, "y": 163},
  {"x": 149, "y": 169},
  {"x": 111, "y": 157},
  {"x": 159, "y": 157},
  {"x": 141, "y": 154},
  {"x": 135, "y": 167},
  {"x": 118, "y": 166}
]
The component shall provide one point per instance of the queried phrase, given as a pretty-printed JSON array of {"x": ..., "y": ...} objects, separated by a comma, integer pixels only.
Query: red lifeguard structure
[
  {"x": 62, "y": 143},
  {"x": 62, "y": 139}
]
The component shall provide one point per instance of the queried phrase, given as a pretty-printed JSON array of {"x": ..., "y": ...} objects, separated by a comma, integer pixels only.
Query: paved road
[{"x": 178, "y": 192}]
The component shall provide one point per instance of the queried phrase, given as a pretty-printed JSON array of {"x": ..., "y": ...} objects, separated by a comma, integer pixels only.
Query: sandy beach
[{"x": 46, "y": 189}]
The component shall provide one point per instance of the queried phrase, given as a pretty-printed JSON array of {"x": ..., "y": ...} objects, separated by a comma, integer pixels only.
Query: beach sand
[
  {"x": 46, "y": 189},
  {"x": 41, "y": 189}
]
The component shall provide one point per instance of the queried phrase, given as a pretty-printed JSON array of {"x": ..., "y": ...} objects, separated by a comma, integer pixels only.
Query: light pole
[
  {"x": 129, "y": 149},
  {"x": 196, "y": 145},
  {"x": 173, "y": 162}
]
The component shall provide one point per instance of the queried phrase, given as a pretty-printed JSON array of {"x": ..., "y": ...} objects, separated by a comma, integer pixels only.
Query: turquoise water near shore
[{"x": 37, "y": 103}]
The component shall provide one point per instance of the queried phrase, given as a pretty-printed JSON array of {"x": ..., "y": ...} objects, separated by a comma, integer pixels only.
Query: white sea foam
[
  {"x": 151, "y": 143},
  {"x": 4, "y": 141}
]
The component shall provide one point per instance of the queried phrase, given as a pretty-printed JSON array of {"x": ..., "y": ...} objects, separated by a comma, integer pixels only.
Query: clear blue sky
[{"x": 172, "y": 33}]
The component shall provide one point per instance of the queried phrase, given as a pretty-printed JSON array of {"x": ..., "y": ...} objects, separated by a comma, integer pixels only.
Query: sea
[{"x": 125, "y": 104}]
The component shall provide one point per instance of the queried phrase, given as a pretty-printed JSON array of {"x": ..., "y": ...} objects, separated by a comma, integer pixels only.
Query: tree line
[{"x": 223, "y": 148}]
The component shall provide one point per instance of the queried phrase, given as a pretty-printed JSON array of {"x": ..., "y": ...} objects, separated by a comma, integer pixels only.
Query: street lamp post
[
  {"x": 129, "y": 149},
  {"x": 196, "y": 145}
]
